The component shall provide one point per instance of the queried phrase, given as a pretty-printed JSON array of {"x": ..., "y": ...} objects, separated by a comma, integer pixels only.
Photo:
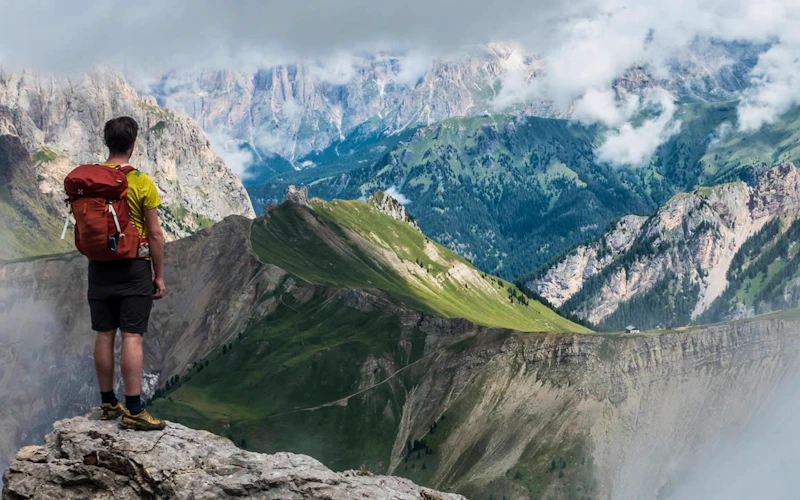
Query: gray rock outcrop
[
  {"x": 299, "y": 196},
  {"x": 384, "y": 203},
  {"x": 85, "y": 457}
]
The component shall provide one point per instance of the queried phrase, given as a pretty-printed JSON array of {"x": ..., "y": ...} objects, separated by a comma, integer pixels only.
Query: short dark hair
[{"x": 120, "y": 133}]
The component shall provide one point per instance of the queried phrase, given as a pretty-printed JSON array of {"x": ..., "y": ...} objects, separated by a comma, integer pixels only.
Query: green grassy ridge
[{"x": 350, "y": 244}]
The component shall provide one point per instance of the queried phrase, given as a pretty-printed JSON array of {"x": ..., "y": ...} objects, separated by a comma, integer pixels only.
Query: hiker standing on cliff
[{"x": 117, "y": 228}]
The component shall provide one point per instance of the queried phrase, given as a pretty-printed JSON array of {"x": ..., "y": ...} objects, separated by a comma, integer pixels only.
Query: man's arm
[{"x": 156, "y": 239}]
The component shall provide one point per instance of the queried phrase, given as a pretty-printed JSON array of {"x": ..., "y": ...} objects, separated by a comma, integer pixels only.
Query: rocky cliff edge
[{"x": 85, "y": 457}]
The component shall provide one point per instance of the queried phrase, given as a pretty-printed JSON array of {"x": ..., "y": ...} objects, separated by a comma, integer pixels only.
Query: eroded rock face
[
  {"x": 694, "y": 235},
  {"x": 87, "y": 458},
  {"x": 60, "y": 122},
  {"x": 567, "y": 276},
  {"x": 294, "y": 109}
]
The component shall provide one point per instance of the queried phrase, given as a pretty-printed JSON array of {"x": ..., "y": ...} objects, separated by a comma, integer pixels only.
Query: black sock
[
  {"x": 133, "y": 404},
  {"x": 109, "y": 398}
]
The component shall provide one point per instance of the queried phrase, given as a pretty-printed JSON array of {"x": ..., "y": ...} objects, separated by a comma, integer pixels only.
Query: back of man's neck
[{"x": 117, "y": 160}]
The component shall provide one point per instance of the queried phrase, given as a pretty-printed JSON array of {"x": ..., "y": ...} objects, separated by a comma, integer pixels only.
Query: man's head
[{"x": 120, "y": 134}]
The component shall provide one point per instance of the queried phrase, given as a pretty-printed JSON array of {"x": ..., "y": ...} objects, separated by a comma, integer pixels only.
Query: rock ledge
[{"x": 87, "y": 458}]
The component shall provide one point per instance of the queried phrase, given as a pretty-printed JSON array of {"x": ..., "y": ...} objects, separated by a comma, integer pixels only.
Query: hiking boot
[
  {"x": 142, "y": 421},
  {"x": 110, "y": 412}
]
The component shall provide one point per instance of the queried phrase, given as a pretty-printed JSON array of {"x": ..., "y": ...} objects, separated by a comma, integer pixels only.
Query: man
[{"x": 121, "y": 292}]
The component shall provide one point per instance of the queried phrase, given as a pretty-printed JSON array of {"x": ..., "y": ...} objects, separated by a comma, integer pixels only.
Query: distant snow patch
[{"x": 397, "y": 195}]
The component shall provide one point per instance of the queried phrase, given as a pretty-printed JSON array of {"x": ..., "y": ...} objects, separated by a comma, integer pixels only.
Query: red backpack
[{"x": 98, "y": 199}]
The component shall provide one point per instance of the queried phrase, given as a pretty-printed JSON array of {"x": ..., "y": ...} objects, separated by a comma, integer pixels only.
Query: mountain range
[
  {"x": 286, "y": 115},
  {"x": 511, "y": 193}
]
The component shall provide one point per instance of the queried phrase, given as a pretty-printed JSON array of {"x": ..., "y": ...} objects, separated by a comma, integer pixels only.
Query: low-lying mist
[{"x": 762, "y": 461}]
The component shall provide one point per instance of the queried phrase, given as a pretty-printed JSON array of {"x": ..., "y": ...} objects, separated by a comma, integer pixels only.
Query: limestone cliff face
[
  {"x": 296, "y": 109},
  {"x": 695, "y": 236},
  {"x": 60, "y": 123},
  {"x": 86, "y": 458},
  {"x": 567, "y": 275}
]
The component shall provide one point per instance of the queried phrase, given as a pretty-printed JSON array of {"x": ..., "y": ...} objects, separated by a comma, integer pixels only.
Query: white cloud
[
  {"x": 633, "y": 145},
  {"x": 720, "y": 134},
  {"x": 602, "y": 106},
  {"x": 413, "y": 66},
  {"x": 776, "y": 86},
  {"x": 227, "y": 147},
  {"x": 758, "y": 460},
  {"x": 267, "y": 140},
  {"x": 397, "y": 195},
  {"x": 336, "y": 69},
  {"x": 162, "y": 35}
]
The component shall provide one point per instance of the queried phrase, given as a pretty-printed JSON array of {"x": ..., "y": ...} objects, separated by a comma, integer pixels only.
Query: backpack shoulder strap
[{"x": 125, "y": 169}]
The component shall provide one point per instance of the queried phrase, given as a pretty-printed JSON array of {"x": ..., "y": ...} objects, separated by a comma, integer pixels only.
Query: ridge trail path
[{"x": 343, "y": 401}]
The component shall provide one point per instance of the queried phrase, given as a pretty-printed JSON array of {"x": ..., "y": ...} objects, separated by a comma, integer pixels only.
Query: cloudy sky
[{"x": 585, "y": 44}]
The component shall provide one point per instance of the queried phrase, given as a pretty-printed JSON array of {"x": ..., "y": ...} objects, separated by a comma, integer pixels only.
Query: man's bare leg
[
  {"x": 137, "y": 417},
  {"x": 104, "y": 360},
  {"x": 131, "y": 363}
]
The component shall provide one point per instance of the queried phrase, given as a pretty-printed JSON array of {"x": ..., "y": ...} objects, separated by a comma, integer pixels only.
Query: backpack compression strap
[{"x": 125, "y": 169}]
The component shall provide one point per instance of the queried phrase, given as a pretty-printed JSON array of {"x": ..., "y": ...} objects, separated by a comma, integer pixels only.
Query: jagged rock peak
[
  {"x": 85, "y": 457},
  {"x": 299, "y": 196},
  {"x": 383, "y": 202}
]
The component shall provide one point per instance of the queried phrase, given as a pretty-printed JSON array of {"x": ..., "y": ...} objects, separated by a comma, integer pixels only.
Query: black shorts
[{"x": 120, "y": 295}]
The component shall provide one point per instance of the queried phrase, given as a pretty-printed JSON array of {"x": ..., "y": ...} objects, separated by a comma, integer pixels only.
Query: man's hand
[{"x": 158, "y": 288}]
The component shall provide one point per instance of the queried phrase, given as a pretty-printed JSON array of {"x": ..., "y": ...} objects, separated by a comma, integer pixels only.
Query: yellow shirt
[{"x": 142, "y": 196}]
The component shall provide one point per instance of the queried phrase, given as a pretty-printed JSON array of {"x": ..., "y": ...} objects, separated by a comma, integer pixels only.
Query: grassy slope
[
  {"x": 301, "y": 356},
  {"x": 738, "y": 155},
  {"x": 334, "y": 244}
]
